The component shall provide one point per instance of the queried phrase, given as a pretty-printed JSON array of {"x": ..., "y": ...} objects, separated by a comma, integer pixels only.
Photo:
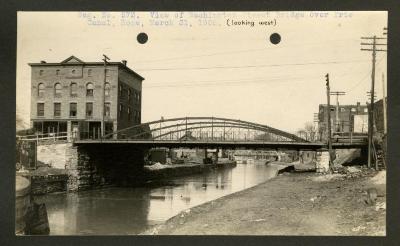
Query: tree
[
  {"x": 310, "y": 131},
  {"x": 302, "y": 133}
]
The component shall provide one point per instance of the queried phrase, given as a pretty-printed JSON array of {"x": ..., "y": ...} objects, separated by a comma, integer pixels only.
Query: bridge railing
[{"x": 56, "y": 136}]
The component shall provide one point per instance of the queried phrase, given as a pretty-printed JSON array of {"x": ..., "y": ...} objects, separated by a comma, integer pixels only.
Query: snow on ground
[
  {"x": 380, "y": 178},
  {"x": 156, "y": 166}
]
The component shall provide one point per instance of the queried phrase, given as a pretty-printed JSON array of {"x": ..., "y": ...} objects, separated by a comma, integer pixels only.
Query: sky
[{"x": 216, "y": 63}]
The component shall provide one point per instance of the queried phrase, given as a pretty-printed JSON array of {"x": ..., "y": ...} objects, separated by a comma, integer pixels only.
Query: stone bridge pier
[{"x": 97, "y": 165}]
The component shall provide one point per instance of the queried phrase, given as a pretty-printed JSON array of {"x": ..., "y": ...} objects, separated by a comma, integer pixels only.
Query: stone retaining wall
[{"x": 95, "y": 166}]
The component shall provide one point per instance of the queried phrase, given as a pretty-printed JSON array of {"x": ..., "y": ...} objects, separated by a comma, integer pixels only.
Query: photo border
[{"x": 8, "y": 34}]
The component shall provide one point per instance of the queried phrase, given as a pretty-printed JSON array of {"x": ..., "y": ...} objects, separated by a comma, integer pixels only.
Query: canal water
[{"x": 124, "y": 211}]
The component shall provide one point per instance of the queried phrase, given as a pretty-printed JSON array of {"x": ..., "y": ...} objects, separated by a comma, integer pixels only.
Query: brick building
[
  {"x": 379, "y": 116},
  {"x": 350, "y": 118},
  {"x": 69, "y": 97}
]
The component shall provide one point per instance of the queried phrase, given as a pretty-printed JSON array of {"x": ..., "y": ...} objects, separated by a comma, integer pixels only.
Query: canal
[{"x": 124, "y": 211}]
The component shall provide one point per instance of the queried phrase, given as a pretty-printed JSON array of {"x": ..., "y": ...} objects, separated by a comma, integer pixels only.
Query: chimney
[
  {"x": 42, "y": 62},
  {"x": 124, "y": 62}
]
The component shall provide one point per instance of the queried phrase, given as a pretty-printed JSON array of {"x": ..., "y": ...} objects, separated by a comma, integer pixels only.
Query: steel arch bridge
[{"x": 203, "y": 129}]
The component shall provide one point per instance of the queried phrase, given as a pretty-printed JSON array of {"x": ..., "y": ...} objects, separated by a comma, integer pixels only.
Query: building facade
[
  {"x": 344, "y": 119},
  {"x": 380, "y": 113},
  {"x": 84, "y": 99}
]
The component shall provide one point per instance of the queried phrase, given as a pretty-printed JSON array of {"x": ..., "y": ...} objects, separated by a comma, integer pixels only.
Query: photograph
[{"x": 266, "y": 123}]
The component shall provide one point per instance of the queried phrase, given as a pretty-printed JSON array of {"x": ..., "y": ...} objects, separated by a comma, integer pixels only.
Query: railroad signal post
[{"x": 329, "y": 121}]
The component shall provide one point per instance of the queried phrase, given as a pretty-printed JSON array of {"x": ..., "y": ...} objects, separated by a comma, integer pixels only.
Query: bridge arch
[{"x": 203, "y": 128}]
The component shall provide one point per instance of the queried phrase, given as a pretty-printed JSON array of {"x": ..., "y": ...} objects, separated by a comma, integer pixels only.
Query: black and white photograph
[{"x": 267, "y": 123}]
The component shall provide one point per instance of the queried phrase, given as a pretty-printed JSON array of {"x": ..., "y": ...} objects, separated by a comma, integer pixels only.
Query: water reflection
[{"x": 124, "y": 211}]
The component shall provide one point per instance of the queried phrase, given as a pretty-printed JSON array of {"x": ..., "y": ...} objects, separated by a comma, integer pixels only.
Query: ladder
[{"x": 379, "y": 156}]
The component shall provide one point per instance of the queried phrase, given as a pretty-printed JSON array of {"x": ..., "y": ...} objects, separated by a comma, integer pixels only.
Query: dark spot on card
[
  {"x": 142, "y": 38},
  {"x": 275, "y": 38}
]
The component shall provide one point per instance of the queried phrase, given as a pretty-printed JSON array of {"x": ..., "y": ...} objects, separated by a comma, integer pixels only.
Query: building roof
[
  {"x": 343, "y": 105},
  {"x": 73, "y": 60}
]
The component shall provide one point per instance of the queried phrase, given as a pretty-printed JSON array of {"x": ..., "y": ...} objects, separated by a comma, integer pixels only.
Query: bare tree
[
  {"x": 310, "y": 130},
  {"x": 302, "y": 133}
]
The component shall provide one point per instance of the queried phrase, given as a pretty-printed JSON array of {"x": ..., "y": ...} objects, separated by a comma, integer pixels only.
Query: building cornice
[{"x": 119, "y": 64}]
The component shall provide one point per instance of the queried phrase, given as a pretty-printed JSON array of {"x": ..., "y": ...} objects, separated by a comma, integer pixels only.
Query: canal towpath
[{"x": 291, "y": 204}]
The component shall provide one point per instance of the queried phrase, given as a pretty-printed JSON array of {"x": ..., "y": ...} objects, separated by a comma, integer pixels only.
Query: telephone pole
[
  {"x": 337, "y": 94},
  {"x": 385, "y": 31},
  {"x": 105, "y": 59},
  {"x": 371, "y": 47},
  {"x": 384, "y": 104},
  {"x": 328, "y": 94},
  {"x": 316, "y": 125}
]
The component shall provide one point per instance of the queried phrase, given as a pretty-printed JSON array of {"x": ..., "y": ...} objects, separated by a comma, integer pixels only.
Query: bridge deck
[{"x": 222, "y": 144}]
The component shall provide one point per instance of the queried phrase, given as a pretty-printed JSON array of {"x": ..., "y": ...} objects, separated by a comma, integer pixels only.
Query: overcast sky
[{"x": 199, "y": 66}]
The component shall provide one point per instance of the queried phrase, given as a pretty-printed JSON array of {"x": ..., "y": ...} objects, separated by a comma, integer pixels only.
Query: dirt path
[{"x": 290, "y": 204}]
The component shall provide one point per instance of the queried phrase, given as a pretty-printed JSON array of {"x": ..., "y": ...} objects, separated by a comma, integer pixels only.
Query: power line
[
  {"x": 232, "y": 83},
  {"x": 229, "y": 81},
  {"x": 239, "y": 51},
  {"x": 366, "y": 76},
  {"x": 251, "y": 66}
]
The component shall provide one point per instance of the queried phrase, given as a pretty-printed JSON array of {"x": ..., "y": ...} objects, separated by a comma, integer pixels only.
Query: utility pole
[
  {"x": 105, "y": 59},
  {"x": 328, "y": 94},
  {"x": 371, "y": 47},
  {"x": 384, "y": 105},
  {"x": 383, "y": 95},
  {"x": 316, "y": 122},
  {"x": 337, "y": 94}
]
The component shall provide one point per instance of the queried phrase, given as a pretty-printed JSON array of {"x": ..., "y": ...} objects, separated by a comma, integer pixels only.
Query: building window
[
  {"x": 365, "y": 110},
  {"x": 121, "y": 109},
  {"x": 72, "y": 109},
  {"x": 120, "y": 90},
  {"x": 40, "y": 90},
  {"x": 89, "y": 89},
  {"x": 107, "y": 89},
  {"x": 342, "y": 110},
  {"x": 57, "y": 109},
  {"x": 40, "y": 72},
  {"x": 107, "y": 71},
  {"x": 138, "y": 98},
  {"x": 107, "y": 109},
  {"x": 134, "y": 96},
  {"x": 89, "y": 109},
  {"x": 40, "y": 109},
  {"x": 332, "y": 109},
  {"x": 57, "y": 90},
  {"x": 58, "y": 72},
  {"x": 353, "y": 109},
  {"x": 129, "y": 95},
  {"x": 74, "y": 89},
  {"x": 129, "y": 113},
  {"x": 89, "y": 72}
]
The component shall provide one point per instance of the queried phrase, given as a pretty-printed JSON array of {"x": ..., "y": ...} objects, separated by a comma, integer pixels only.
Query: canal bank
[
  {"x": 132, "y": 210},
  {"x": 291, "y": 204}
]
